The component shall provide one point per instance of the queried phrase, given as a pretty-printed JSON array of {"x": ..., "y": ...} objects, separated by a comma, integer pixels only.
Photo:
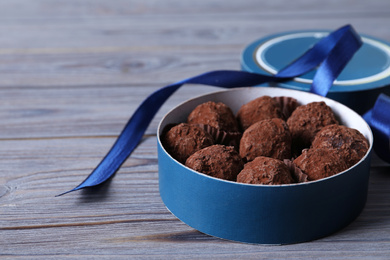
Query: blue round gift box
[
  {"x": 362, "y": 80},
  {"x": 263, "y": 214}
]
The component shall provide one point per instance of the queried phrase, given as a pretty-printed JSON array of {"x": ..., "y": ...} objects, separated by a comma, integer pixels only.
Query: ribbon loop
[{"x": 335, "y": 62}]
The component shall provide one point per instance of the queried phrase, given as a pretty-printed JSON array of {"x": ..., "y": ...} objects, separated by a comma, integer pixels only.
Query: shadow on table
[{"x": 97, "y": 193}]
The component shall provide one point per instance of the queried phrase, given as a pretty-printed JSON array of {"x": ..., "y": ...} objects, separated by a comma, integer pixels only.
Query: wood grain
[{"x": 72, "y": 73}]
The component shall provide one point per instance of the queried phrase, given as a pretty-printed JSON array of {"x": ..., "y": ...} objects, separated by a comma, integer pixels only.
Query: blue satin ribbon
[
  {"x": 379, "y": 120},
  {"x": 333, "y": 52}
]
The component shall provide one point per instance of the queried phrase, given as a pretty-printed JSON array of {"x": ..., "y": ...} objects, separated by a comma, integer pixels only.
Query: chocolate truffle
[
  {"x": 184, "y": 139},
  {"x": 349, "y": 142},
  {"x": 305, "y": 122},
  {"x": 258, "y": 109},
  {"x": 319, "y": 163},
  {"x": 219, "y": 161},
  {"x": 265, "y": 170},
  {"x": 217, "y": 115},
  {"x": 269, "y": 137}
]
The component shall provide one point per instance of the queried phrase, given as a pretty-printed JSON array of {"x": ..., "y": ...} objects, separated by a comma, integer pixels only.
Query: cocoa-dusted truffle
[
  {"x": 184, "y": 139},
  {"x": 219, "y": 161},
  {"x": 320, "y": 163},
  {"x": 258, "y": 109},
  {"x": 217, "y": 115},
  {"x": 269, "y": 137},
  {"x": 265, "y": 170},
  {"x": 349, "y": 142},
  {"x": 306, "y": 120}
]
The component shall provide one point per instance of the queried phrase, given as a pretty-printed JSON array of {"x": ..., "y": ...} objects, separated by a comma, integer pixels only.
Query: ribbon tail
[{"x": 129, "y": 138}]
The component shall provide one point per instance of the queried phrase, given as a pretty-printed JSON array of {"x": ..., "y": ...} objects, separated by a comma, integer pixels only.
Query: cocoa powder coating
[
  {"x": 265, "y": 170},
  {"x": 320, "y": 163},
  {"x": 269, "y": 137},
  {"x": 184, "y": 139},
  {"x": 307, "y": 120},
  {"x": 219, "y": 161},
  {"x": 349, "y": 142},
  {"x": 217, "y": 115},
  {"x": 258, "y": 109}
]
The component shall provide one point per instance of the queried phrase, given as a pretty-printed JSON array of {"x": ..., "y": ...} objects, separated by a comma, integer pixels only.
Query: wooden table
[{"x": 73, "y": 72}]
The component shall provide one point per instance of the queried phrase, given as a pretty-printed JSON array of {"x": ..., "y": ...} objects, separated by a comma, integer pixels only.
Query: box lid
[{"x": 368, "y": 69}]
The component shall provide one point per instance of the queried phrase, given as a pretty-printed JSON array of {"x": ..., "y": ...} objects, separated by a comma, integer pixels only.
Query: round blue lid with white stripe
[{"x": 369, "y": 68}]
